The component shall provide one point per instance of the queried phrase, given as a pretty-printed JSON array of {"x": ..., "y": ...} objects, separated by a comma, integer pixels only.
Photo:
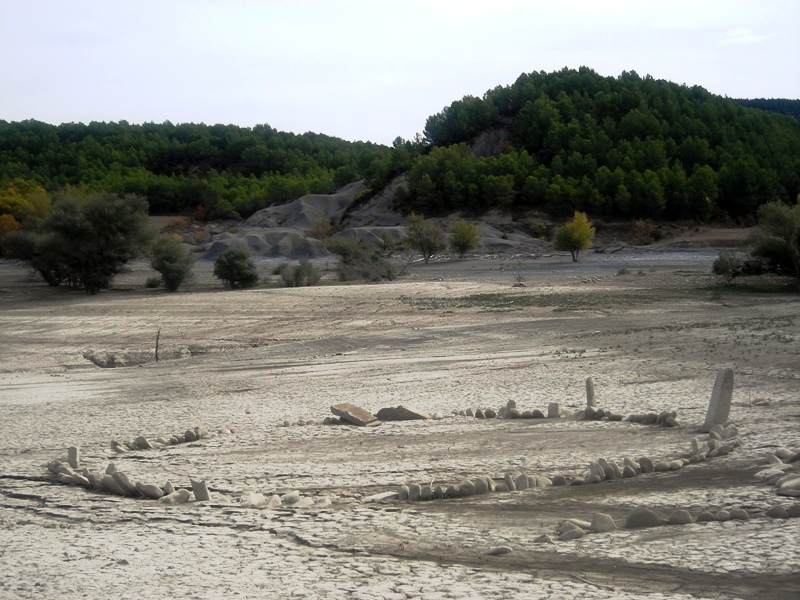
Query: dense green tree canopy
[
  {"x": 180, "y": 168},
  {"x": 623, "y": 146}
]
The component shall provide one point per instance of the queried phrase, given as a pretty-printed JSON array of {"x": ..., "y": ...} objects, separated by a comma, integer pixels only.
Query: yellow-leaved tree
[{"x": 575, "y": 236}]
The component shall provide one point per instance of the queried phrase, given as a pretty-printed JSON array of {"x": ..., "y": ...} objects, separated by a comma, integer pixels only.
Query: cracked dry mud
[{"x": 446, "y": 337}]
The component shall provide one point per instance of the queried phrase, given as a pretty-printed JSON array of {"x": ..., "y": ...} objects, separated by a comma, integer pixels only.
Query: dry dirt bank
[{"x": 650, "y": 328}]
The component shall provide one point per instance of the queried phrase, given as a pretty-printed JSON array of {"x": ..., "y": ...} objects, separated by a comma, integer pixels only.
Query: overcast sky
[{"x": 365, "y": 70}]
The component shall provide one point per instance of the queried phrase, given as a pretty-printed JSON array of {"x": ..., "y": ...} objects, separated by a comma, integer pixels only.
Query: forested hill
[
  {"x": 218, "y": 170},
  {"x": 781, "y": 106},
  {"x": 626, "y": 146}
]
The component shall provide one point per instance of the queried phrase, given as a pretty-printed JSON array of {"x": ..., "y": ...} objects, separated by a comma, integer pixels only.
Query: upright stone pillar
[
  {"x": 719, "y": 407},
  {"x": 589, "y": 392}
]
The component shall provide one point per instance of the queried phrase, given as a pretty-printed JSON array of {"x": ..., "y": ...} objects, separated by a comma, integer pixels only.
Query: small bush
[
  {"x": 733, "y": 264},
  {"x": 302, "y": 274},
  {"x": 153, "y": 282},
  {"x": 171, "y": 260},
  {"x": 235, "y": 269},
  {"x": 357, "y": 261},
  {"x": 465, "y": 237}
]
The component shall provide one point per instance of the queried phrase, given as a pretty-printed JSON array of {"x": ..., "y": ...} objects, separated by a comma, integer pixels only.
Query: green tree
[
  {"x": 235, "y": 269},
  {"x": 575, "y": 236},
  {"x": 86, "y": 240},
  {"x": 777, "y": 239},
  {"x": 171, "y": 260},
  {"x": 423, "y": 235},
  {"x": 463, "y": 237}
]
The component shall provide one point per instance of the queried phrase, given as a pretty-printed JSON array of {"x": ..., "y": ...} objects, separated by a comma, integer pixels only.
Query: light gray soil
[{"x": 652, "y": 328}]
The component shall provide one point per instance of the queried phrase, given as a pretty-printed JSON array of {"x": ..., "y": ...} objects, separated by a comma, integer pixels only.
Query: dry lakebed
[{"x": 236, "y": 408}]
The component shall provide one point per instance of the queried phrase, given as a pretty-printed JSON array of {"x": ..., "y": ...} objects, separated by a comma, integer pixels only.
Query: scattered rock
[
  {"x": 290, "y": 498},
  {"x": 558, "y": 480},
  {"x": 778, "y": 512},
  {"x": 149, "y": 490},
  {"x": 490, "y": 413},
  {"x": 553, "y": 410},
  {"x": 646, "y": 465},
  {"x": 251, "y": 499},
  {"x": 381, "y": 497},
  {"x": 705, "y": 517},
  {"x": 739, "y": 514},
  {"x": 142, "y": 443},
  {"x": 499, "y": 551}
]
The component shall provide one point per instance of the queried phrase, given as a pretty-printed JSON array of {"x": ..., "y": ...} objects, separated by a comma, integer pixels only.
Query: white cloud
[{"x": 743, "y": 35}]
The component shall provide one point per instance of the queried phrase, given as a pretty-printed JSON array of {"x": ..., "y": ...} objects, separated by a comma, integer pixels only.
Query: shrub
[
  {"x": 153, "y": 282},
  {"x": 358, "y": 262},
  {"x": 575, "y": 236},
  {"x": 235, "y": 269},
  {"x": 302, "y": 274},
  {"x": 423, "y": 235},
  {"x": 169, "y": 258},
  {"x": 388, "y": 242},
  {"x": 464, "y": 237},
  {"x": 777, "y": 240},
  {"x": 321, "y": 228}
]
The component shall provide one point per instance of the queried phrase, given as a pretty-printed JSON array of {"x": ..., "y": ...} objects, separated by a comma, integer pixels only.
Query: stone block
[{"x": 355, "y": 415}]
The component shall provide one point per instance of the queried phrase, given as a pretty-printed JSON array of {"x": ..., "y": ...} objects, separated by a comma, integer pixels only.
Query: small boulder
[
  {"x": 200, "y": 490},
  {"x": 355, "y": 415},
  {"x": 680, "y": 517},
  {"x": 642, "y": 517},
  {"x": 778, "y": 512},
  {"x": 290, "y": 498},
  {"x": 178, "y": 497},
  {"x": 499, "y": 551},
  {"x": 603, "y": 523}
]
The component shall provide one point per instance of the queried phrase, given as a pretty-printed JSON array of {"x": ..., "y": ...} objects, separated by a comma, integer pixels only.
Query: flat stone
[
  {"x": 671, "y": 422},
  {"x": 304, "y": 503},
  {"x": 508, "y": 479},
  {"x": 169, "y": 488},
  {"x": 642, "y": 517},
  {"x": 596, "y": 470},
  {"x": 646, "y": 465},
  {"x": 629, "y": 460},
  {"x": 719, "y": 406},
  {"x": 574, "y": 534},
  {"x": 521, "y": 482},
  {"x": 608, "y": 470},
  {"x": 680, "y": 517},
  {"x": 200, "y": 490},
  {"x": 274, "y": 502},
  {"x": 602, "y": 523},
  {"x": 662, "y": 466},
  {"x": 178, "y": 497},
  {"x": 628, "y": 472},
  {"x": 543, "y": 481},
  {"x": 499, "y": 551},
  {"x": 380, "y": 497},
  {"x": 126, "y": 484},
  {"x": 149, "y": 490},
  {"x": 615, "y": 467},
  {"x": 252, "y": 499},
  {"x": 110, "y": 485},
  {"x": 452, "y": 491},
  {"x": 355, "y": 415},
  {"x": 553, "y": 410}
]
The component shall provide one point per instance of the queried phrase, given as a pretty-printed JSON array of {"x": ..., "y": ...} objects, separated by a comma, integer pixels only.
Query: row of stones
[
  {"x": 641, "y": 517},
  {"x": 114, "y": 481},
  {"x": 142, "y": 443},
  {"x": 69, "y": 471},
  {"x": 782, "y": 471},
  {"x": 703, "y": 447}
]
